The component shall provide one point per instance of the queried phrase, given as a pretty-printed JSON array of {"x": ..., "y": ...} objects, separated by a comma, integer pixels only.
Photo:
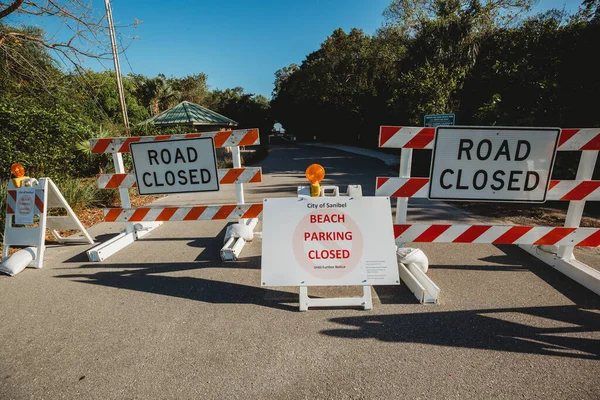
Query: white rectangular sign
[
  {"x": 492, "y": 163},
  {"x": 25, "y": 205},
  {"x": 328, "y": 241},
  {"x": 175, "y": 166}
]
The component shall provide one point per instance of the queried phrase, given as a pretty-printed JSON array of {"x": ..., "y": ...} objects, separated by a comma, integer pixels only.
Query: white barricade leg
[
  {"x": 402, "y": 202},
  {"x": 233, "y": 246},
  {"x": 132, "y": 231},
  {"x": 564, "y": 261}
]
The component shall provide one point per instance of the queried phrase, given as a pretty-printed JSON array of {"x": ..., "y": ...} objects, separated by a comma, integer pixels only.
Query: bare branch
[{"x": 11, "y": 8}]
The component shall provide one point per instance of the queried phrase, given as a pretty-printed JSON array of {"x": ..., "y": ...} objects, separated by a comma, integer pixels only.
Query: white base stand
[
  {"x": 365, "y": 301},
  {"x": 576, "y": 270},
  {"x": 104, "y": 250},
  {"x": 233, "y": 246},
  {"x": 47, "y": 192},
  {"x": 422, "y": 287}
]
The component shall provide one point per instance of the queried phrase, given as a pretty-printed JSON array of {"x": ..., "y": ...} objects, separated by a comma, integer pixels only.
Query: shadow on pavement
[
  {"x": 554, "y": 330},
  {"x": 146, "y": 278}
]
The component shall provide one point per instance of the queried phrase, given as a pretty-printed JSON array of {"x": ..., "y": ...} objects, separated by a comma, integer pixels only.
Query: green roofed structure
[{"x": 190, "y": 114}]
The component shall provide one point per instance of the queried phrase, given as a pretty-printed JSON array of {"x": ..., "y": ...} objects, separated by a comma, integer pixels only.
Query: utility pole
[{"x": 111, "y": 30}]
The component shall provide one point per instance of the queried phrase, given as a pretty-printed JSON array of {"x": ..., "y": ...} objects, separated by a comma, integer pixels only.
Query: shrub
[
  {"x": 41, "y": 139},
  {"x": 83, "y": 193}
]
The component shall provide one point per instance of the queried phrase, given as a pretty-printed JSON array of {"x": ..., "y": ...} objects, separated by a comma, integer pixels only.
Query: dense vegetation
[{"x": 476, "y": 59}]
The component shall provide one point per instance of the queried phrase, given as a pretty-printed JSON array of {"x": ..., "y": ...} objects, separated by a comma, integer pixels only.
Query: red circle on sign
[{"x": 330, "y": 268}]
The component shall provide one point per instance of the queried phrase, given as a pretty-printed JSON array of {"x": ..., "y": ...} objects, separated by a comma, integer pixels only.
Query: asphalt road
[{"x": 166, "y": 319}]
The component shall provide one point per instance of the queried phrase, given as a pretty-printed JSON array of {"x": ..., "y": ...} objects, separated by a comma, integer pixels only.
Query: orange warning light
[
  {"x": 17, "y": 170},
  {"x": 315, "y": 173}
]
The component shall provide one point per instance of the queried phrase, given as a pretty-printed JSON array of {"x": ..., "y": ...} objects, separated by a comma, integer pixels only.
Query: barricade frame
[
  {"x": 577, "y": 192},
  {"x": 140, "y": 221}
]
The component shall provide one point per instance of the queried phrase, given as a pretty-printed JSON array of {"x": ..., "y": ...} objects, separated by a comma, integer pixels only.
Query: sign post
[{"x": 492, "y": 163}]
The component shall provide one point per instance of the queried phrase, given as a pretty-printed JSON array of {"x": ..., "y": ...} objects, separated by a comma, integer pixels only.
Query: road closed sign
[
  {"x": 175, "y": 166},
  {"x": 492, "y": 163},
  {"x": 328, "y": 241}
]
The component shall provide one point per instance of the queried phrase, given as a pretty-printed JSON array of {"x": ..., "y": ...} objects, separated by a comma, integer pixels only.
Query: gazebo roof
[{"x": 186, "y": 113}]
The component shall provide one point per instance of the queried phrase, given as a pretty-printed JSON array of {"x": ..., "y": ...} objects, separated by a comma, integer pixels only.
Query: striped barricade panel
[
  {"x": 196, "y": 213},
  {"x": 244, "y": 137},
  {"x": 11, "y": 201},
  {"x": 422, "y": 138},
  {"x": 226, "y": 176},
  {"x": 557, "y": 190},
  {"x": 497, "y": 234}
]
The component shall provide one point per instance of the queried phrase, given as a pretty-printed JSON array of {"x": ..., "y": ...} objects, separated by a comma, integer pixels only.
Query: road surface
[{"x": 166, "y": 319}]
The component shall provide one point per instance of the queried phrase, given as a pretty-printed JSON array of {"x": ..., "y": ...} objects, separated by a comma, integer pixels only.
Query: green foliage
[
  {"x": 480, "y": 60},
  {"x": 42, "y": 139},
  {"x": 84, "y": 193}
]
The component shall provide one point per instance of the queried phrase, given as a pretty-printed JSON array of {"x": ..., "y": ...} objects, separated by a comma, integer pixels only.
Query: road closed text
[
  {"x": 176, "y": 166},
  {"x": 492, "y": 164},
  {"x": 511, "y": 180},
  {"x": 182, "y": 176}
]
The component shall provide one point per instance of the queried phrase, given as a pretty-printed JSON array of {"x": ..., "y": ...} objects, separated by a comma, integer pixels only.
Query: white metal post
[
  {"x": 239, "y": 187},
  {"x": 123, "y": 192},
  {"x": 575, "y": 211},
  {"x": 402, "y": 202}
]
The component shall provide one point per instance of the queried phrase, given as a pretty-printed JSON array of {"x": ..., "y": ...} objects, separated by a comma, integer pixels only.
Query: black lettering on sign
[
  {"x": 528, "y": 150},
  {"x": 458, "y": 178},
  {"x": 488, "y": 151},
  {"x": 152, "y": 154},
  {"x": 156, "y": 180},
  {"x": 444, "y": 172},
  {"x": 165, "y": 156},
  {"x": 170, "y": 178},
  {"x": 144, "y": 179},
  {"x": 500, "y": 181},
  {"x": 512, "y": 180},
  {"x": 192, "y": 151},
  {"x": 193, "y": 177},
  {"x": 503, "y": 151},
  {"x": 465, "y": 145},
  {"x": 179, "y": 156},
  {"x": 182, "y": 177},
  {"x": 537, "y": 181},
  {"x": 479, "y": 173},
  {"x": 205, "y": 174}
]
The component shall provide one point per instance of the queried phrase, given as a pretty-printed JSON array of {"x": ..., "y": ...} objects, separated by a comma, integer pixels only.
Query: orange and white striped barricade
[
  {"x": 140, "y": 221},
  {"x": 35, "y": 198},
  {"x": 539, "y": 241}
]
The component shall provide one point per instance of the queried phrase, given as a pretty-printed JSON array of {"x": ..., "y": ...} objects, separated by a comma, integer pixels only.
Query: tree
[
  {"x": 156, "y": 94},
  {"x": 192, "y": 88},
  {"x": 81, "y": 27}
]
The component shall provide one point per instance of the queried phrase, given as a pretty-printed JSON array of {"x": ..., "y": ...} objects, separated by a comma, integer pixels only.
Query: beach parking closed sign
[{"x": 328, "y": 241}]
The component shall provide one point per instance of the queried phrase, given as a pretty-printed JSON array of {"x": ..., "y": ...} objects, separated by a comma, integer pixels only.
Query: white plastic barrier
[
  {"x": 140, "y": 221},
  {"x": 533, "y": 239}
]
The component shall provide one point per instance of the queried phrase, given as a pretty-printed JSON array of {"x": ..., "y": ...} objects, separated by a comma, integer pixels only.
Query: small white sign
[
  {"x": 328, "y": 241},
  {"x": 175, "y": 166},
  {"x": 492, "y": 163},
  {"x": 25, "y": 205}
]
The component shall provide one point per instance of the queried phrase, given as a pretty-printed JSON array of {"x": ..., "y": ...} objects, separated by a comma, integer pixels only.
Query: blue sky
[{"x": 240, "y": 42}]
